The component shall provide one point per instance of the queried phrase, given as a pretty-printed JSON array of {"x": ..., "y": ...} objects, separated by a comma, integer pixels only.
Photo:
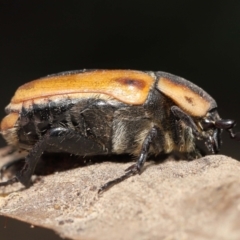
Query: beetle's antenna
[
  {"x": 233, "y": 135},
  {"x": 9, "y": 182},
  {"x": 228, "y": 125}
]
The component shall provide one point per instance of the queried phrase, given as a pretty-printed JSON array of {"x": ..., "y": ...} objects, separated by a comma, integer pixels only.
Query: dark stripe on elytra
[{"x": 138, "y": 83}]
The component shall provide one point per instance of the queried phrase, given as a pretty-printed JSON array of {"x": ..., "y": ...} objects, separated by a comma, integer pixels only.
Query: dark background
[{"x": 198, "y": 40}]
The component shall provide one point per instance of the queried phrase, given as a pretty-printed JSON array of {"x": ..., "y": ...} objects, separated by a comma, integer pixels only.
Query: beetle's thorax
[{"x": 172, "y": 134}]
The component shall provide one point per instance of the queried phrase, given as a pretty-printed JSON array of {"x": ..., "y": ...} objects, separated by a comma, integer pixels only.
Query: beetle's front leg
[
  {"x": 186, "y": 130},
  {"x": 135, "y": 168},
  {"x": 181, "y": 115}
]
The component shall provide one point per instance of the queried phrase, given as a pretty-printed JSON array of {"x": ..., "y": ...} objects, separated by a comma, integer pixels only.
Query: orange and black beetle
[{"x": 96, "y": 112}]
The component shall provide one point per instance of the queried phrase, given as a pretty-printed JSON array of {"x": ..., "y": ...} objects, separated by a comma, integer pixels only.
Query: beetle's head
[
  {"x": 212, "y": 126},
  {"x": 199, "y": 106}
]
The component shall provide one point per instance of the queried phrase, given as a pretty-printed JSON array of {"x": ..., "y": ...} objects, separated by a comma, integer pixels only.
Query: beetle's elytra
[{"x": 99, "y": 112}]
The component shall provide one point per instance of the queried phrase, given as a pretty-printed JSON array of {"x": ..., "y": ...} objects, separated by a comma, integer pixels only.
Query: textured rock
[{"x": 170, "y": 200}]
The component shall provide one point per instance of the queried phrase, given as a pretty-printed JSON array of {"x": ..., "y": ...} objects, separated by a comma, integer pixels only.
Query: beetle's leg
[
  {"x": 186, "y": 143},
  {"x": 135, "y": 168},
  {"x": 62, "y": 139},
  {"x": 8, "y": 165},
  {"x": 24, "y": 176},
  {"x": 11, "y": 156},
  {"x": 184, "y": 134},
  {"x": 179, "y": 114},
  {"x": 31, "y": 160},
  {"x": 184, "y": 140}
]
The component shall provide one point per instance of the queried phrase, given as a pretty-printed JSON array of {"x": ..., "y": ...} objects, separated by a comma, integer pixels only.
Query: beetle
[{"x": 101, "y": 112}]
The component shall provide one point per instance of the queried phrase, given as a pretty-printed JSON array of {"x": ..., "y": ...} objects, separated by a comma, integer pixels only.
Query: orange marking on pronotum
[{"x": 184, "y": 97}]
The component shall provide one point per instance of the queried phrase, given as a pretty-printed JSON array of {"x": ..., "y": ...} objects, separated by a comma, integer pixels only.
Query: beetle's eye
[{"x": 206, "y": 124}]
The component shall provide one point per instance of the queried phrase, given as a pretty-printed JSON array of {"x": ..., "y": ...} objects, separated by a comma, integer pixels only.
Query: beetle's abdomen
[
  {"x": 90, "y": 116},
  {"x": 31, "y": 100}
]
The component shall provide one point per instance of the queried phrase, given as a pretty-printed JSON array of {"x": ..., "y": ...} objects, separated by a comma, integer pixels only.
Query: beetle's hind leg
[
  {"x": 24, "y": 176},
  {"x": 60, "y": 139}
]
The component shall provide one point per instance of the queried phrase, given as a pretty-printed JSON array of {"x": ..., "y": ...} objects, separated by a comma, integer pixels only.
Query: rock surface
[{"x": 170, "y": 200}]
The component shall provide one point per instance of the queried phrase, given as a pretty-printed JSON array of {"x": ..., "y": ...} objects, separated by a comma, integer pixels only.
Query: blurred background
[{"x": 198, "y": 40}]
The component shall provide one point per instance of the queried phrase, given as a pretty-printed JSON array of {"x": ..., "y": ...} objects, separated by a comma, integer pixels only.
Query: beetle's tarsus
[
  {"x": 110, "y": 184},
  {"x": 9, "y": 182}
]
